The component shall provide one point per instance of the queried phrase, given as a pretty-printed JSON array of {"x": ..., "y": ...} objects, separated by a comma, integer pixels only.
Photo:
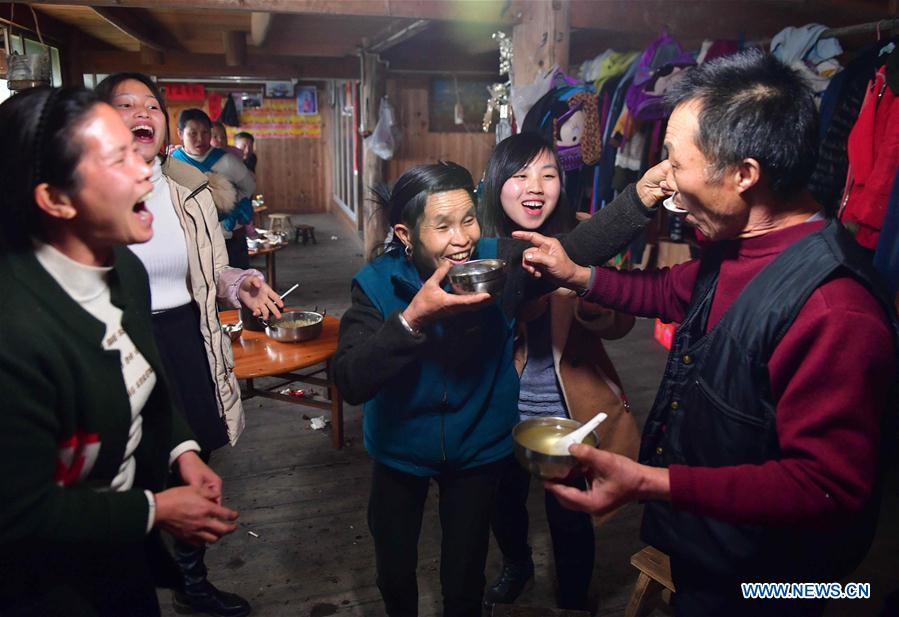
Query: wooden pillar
[
  {"x": 150, "y": 56},
  {"x": 72, "y": 67},
  {"x": 374, "y": 222},
  {"x": 540, "y": 39},
  {"x": 235, "y": 47}
]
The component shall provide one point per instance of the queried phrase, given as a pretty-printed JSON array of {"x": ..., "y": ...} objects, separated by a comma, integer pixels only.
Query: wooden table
[
  {"x": 269, "y": 252},
  {"x": 257, "y": 355}
]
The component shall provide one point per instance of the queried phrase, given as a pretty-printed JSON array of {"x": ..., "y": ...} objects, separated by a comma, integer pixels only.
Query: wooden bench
[
  {"x": 306, "y": 231},
  {"x": 653, "y": 584}
]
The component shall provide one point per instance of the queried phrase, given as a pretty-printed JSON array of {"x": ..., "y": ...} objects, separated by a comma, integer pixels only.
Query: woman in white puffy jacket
[{"x": 188, "y": 268}]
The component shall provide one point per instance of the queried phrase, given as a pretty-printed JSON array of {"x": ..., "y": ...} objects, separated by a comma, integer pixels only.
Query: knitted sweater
[{"x": 64, "y": 427}]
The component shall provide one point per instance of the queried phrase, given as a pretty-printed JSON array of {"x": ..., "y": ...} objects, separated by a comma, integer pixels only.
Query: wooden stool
[
  {"x": 307, "y": 231},
  {"x": 653, "y": 584},
  {"x": 279, "y": 222},
  {"x": 517, "y": 610}
]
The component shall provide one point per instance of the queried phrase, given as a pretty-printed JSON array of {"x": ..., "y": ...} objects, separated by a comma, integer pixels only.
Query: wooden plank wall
[
  {"x": 294, "y": 175},
  {"x": 410, "y": 98}
]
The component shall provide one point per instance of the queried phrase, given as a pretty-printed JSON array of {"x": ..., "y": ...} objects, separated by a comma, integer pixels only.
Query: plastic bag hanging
[{"x": 383, "y": 139}]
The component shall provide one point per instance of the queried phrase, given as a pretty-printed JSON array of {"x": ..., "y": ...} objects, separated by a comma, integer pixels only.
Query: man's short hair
[
  {"x": 752, "y": 105},
  {"x": 244, "y": 135},
  {"x": 197, "y": 115}
]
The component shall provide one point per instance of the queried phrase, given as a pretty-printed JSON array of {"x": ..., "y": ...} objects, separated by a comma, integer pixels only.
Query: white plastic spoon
[{"x": 560, "y": 446}]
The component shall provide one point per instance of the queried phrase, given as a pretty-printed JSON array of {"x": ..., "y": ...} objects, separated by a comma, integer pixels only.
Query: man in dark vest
[{"x": 761, "y": 457}]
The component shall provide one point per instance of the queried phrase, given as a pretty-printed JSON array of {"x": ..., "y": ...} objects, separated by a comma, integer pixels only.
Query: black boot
[
  {"x": 515, "y": 577},
  {"x": 199, "y": 595}
]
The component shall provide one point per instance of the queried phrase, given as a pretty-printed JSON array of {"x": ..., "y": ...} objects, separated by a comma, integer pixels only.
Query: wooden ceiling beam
[
  {"x": 54, "y": 31},
  {"x": 257, "y": 66},
  {"x": 140, "y": 24},
  {"x": 698, "y": 19},
  {"x": 260, "y": 24},
  {"x": 484, "y": 11},
  {"x": 486, "y": 65},
  {"x": 235, "y": 43}
]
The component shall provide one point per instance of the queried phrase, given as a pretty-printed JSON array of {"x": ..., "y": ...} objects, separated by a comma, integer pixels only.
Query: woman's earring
[{"x": 408, "y": 250}]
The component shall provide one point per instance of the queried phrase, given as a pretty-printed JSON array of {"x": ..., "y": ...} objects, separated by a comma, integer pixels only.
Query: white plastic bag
[
  {"x": 383, "y": 139},
  {"x": 524, "y": 97}
]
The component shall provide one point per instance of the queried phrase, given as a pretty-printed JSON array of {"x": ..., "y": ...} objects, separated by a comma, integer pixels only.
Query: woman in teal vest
[
  {"x": 436, "y": 374},
  {"x": 435, "y": 371}
]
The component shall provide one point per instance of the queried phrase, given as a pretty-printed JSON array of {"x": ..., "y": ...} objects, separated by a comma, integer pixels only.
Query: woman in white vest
[{"x": 188, "y": 268}]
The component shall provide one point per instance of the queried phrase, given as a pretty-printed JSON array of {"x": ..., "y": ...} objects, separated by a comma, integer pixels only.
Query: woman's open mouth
[
  {"x": 143, "y": 214},
  {"x": 458, "y": 258},
  {"x": 532, "y": 207},
  {"x": 143, "y": 133}
]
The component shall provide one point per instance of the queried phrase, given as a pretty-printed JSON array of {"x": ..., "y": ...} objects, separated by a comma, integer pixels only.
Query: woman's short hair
[
  {"x": 511, "y": 155},
  {"x": 106, "y": 88},
  {"x": 405, "y": 201},
  {"x": 244, "y": 135},
  {"x": 195, "y": 114},
  {"x": 39, "y": 145}
]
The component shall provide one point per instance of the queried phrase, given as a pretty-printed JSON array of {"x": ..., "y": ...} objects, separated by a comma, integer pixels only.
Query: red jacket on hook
[{"x": 873, "y": 150}]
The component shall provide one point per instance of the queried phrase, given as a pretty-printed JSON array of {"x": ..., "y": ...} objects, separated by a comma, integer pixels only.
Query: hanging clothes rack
[{"x": 883, "y": 25}]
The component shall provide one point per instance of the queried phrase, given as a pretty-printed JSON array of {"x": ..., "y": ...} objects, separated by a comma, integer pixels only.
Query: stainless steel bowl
[
  {"x": 478, "y": 275},
  {"x": 530, "y": 439},
  {"x": 295, "y": 326},
  {"x": 233, "y": 330}
]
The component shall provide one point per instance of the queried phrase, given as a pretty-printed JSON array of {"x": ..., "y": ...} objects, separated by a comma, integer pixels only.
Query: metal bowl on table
[
  {"x": 233, "y": 330},
  {"x": 251, "y": 321},
  {"x": 295, "y": 326},
  {"x": 533, "y": 439},
  {"x": 478, "y": 275}
]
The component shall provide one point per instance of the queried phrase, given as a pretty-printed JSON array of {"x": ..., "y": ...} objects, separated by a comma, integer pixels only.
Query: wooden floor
[{"x": 303, "y": 547}]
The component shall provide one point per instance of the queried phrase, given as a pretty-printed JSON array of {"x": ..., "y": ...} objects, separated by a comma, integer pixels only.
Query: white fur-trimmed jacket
[{"x": 209, "y": 277}]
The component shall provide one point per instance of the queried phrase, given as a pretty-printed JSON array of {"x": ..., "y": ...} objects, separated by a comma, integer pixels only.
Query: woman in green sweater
[{"x": 88, "y": 430}]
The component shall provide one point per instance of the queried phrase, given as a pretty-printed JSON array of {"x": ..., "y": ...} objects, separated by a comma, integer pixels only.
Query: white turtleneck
[
  {"x": 165, "y": 255},
  {"x": 88, "y": 286}
]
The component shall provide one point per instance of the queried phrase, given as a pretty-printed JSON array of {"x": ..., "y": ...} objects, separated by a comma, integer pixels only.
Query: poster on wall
[
  {"x": 307, "y": 101},
  {"x": 279, "y": 89},
  {"x": 185, "y": 92},
  {"x": 278, "y": 119}
]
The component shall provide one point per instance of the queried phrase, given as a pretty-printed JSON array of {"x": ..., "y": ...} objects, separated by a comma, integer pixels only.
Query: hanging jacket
[
  {"x": 886, "y": 257},
  {"x": 715, "y": 409},
  {"x": 873, "y": 151},
  {"x": 840, "y": 105}
]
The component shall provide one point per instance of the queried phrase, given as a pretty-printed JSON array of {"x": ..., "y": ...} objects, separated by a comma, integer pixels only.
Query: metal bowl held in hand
[
  {"x": 477, "y": 276},
  {"x": 295, "y": 326},
  {"x": 533, "y": 439}
]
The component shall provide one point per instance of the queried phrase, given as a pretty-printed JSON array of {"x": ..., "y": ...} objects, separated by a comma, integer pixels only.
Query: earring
[{"x": 408, "y": 250}]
